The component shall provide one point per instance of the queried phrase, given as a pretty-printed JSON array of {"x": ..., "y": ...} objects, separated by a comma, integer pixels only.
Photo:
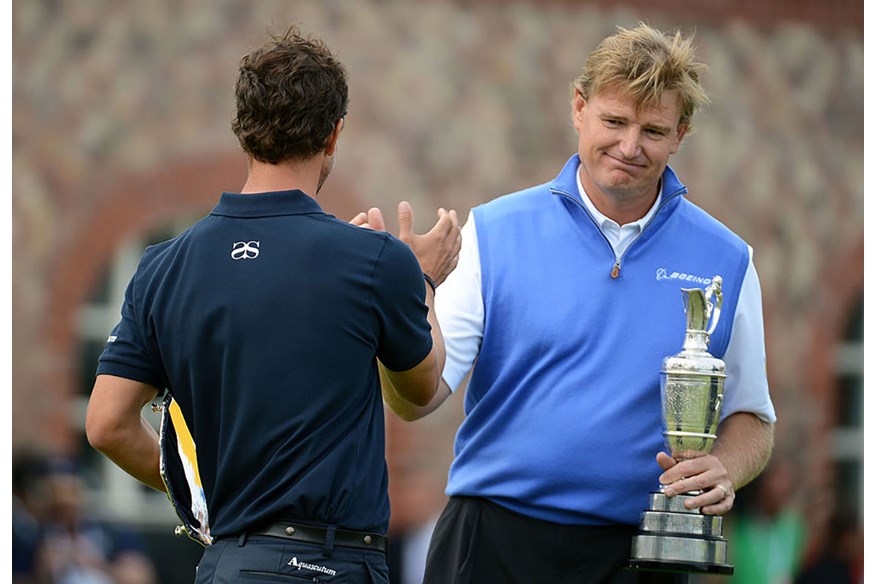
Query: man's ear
[
  {"x": 578, "y": 105},
  {"x": 331, "y": 144},
  {"x": 679, "y": 136}
]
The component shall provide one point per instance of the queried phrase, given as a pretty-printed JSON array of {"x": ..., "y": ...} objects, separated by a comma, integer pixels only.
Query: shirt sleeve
[
  {"x": 746, "y": 388},
  {"x": 400, "y": 300},
  {"x": 459, "y": 306},
  {"x": 125, "y": 354}
]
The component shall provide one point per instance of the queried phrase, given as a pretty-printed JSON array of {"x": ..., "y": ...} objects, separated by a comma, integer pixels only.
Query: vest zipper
[
  {"x": 615, "y": 270},
  {"x": 616, "y": 267}
]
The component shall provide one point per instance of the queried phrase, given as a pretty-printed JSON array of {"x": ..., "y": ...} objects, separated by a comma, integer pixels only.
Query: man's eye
[{"x": 609, "y": 122}]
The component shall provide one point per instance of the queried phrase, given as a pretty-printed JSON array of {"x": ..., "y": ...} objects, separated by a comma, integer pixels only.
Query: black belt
[{"x": 317, "y": 535}]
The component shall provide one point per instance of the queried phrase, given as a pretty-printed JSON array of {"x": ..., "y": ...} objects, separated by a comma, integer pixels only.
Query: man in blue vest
[
  {"x": 271, "y": 323},
  {"x": 565, "y": 301}
]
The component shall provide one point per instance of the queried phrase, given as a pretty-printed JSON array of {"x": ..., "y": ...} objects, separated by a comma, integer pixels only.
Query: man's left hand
[
  {"x": 706, "y": 474},
  {"x": 371, "y": 219}
]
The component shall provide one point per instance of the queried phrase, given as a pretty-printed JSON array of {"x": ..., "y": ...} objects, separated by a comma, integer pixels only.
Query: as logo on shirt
[
  {"x": 664, "y": 274},
  {"x": 245, "y": 250}
]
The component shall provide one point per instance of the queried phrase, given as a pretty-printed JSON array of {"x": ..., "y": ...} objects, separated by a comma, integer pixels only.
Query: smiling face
[{"x": 624, "y": 149}]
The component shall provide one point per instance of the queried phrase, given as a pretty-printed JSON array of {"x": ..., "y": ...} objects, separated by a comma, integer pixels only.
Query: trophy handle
[{"x": 713, "y": 311}]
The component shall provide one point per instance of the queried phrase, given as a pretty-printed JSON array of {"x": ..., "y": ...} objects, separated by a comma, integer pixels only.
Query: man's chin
[
  {"x": 622, "y": 190},
  {"x": 622, "y": 180},
  {"x": 622, "y": 175},
  {"x": 619, "y": 182}
]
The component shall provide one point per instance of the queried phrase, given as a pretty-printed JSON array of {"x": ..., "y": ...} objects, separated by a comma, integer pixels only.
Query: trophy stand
[
  {"x": 671, "y": 537},
  {"x": 675, "y": 539}
]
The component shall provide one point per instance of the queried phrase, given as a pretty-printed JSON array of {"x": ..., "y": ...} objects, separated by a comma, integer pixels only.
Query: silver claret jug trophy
[{"x": 671, "y": 537}]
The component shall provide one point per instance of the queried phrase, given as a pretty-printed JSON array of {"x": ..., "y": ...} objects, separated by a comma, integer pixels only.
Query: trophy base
[
  {"x": 672, "y": 538},
  {"x": 680, "y": 567}
]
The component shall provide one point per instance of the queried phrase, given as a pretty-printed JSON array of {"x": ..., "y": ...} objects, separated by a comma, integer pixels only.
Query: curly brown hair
[
  {"x": 290, "y": 93},
  {"x": 644, "y": 62}
]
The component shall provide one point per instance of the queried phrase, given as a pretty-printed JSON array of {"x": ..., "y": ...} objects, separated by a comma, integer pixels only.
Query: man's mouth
[{"x": 624, "y": 162}]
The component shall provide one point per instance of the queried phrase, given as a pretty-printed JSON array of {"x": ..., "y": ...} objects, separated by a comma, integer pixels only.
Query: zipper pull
[{"x": 615, "y": 271}]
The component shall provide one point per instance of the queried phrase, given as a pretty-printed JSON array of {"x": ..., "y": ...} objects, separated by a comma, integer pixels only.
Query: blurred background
[{"x": 121, "y": 137}]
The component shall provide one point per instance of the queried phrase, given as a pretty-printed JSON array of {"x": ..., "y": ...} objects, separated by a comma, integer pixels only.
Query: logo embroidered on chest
[
  {"x": 664, "y": 274},
  {"x": 245, "y": 250}
]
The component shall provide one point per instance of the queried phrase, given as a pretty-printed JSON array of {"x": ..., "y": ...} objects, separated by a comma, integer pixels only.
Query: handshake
[{"x": 437, "y": 250}]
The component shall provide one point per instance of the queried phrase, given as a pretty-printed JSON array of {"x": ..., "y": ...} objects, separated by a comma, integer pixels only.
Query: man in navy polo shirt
[{"x": 270, "y": 324}]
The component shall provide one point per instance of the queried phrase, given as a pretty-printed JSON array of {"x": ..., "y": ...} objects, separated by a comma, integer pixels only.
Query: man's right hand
[{"x": 437, "y": 251}]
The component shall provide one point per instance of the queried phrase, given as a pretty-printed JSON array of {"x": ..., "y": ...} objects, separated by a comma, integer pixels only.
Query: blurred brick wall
[{"x": 121, "y": 114}]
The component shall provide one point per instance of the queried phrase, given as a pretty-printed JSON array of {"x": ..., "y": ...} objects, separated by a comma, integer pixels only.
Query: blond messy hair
[{"x": 643, "y": 63}]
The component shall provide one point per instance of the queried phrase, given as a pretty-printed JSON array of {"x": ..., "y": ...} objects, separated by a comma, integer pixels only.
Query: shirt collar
[
  {"x": 605, "y": 222},
  {"x": 295, "y": 202}
]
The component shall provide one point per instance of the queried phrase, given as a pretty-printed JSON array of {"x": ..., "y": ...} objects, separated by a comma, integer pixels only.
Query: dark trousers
[
  {"x": 262, "y": 558},
  {"x": 479, "y": 542}
]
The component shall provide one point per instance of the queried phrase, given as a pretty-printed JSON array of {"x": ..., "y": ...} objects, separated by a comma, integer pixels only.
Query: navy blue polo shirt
[{"x": 264, "y": 321}]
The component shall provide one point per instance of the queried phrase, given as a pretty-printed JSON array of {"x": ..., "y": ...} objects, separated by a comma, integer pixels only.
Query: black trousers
[
  {"x": 479, "y": 542},
  {"x": 262, "y": 559}
]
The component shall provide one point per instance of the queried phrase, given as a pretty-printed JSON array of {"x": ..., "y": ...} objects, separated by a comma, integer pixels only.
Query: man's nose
[{"x": 630, "y": 143}]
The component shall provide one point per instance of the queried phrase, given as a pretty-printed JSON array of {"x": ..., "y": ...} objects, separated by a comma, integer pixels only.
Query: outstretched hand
[
  {"x": 704, "y": 473},
  {"x": 437, "y": 250}
]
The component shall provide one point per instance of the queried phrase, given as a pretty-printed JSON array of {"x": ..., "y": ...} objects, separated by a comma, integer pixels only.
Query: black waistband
[{"x": 314, "y": 534}]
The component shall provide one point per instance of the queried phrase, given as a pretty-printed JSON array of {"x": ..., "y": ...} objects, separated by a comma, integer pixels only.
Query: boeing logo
[
  {"x": 664, "y": 274},
  {"x": 245, "y": 250}
]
